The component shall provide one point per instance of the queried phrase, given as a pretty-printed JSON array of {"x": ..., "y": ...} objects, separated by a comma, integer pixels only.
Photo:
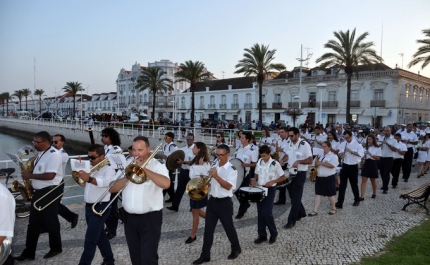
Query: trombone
[
  {"x": 134, "y": 173},
  {"x": 76, "y": 178}
]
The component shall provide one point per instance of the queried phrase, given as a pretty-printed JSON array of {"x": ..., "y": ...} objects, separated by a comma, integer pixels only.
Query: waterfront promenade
[{"x": 344, "y": 238}]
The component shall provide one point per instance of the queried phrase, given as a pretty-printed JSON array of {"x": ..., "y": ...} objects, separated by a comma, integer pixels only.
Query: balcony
[
  {"x": 146, "y": 103},
  {"x": 201, "y": 106},
  {"x": 211, "y": 106},
  {"x": 223, "y": 106},
  {"x": 263, "y": 105},
  {"x": 234, "y": 106},
  {"x": 247, "y": 105},
  {"x": 182, "y": 106},
  {"x": 377, "y": 103},
  {"x": 355, "y": 104},
  {"x": 329, "y": 104},
  {"x": 293, "y": 105},
  {"x": 276, "y": 105}
]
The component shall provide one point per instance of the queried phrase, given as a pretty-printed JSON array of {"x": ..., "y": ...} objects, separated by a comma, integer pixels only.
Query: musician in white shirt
[
  {"x": 351, "y": 153},
  {"x": 410, "y": 139},
  {"x": 335, "y": 145},
  {"x": 267, "y": 174},
  {"x": 325, "y": 183},
  {"x": 399, "y": 153},
  {"x": 369, "y": 170},
  {"x": 283, "y": 148},
  {"x": 387, "y": 158},
  {"x": 97, "y": 183},
  {"x": 168, "y": 148},
  {"x": 319, "y": 137},
  {"x": 220, "y": 206},
  {"x": 143, "y": 204},
  {"x": 7, "y": 220},
  {"x": 266, "y": 139}
]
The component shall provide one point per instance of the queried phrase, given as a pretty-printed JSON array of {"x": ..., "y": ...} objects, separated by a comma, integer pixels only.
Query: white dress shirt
[
  {"x": 168, "y": 149},
  {"x": 104, "y": 177},
  {"x": 109, "y": 149},
  {"x": 331, "y": 158},
  {"x": 268, "y": 171},
  {"x": 374, "y": 151},
  {"x": 227, "y": 173},
  {"x": 349, "y": 158},
  {"x": 247, "y": 154},
  {"x": 49, "y": 161},
  {"x": 145, "y": 197},
  {"x": 189, "y": 155},
  {"x": 299, "y": 151},
  {"x": 7, "y": 216},
  {"x": 65, "y": 159},
  {"x": 320, "y": 138},
  {"x": 385, "y": 150},
  {"x": 335, "y": 145},
  {"x": 411, "y": 137},
  {"x": 199, "y": 170},
  {"x": 401, "y": 147}
]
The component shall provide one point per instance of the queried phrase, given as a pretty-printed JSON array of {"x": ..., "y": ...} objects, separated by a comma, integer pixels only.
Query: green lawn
[{"x": 413, "y": 247}]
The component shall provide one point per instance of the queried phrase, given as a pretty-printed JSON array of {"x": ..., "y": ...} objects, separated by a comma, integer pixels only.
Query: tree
[
  {"x": 257, "y": 62},
  {"x": 25, "y": 93},
  {"x": 152, "y": 79},
  {"x": 39, "y": 93},
  {"x": 192, "y": 72},
  {"x": 425, "y": 58},
  {"x": 19, "y": 95},
  {"x": 6, "y": 97},
  {"x": 73, "y": 88},
  {"x": 349, "y": 52}
]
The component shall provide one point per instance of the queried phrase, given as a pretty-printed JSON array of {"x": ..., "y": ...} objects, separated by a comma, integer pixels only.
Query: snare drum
[
  {"x": 286, "y": 182},
  {"x": 252, "y": 194}
]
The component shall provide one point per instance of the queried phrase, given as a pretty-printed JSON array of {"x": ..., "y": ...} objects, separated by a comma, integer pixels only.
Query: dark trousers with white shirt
[
  {"x": 219, "y": 209},
  {"x": 407, "y": 163},
  {"x": 348, "y": 172},
  {"x": 243, "y": 204},
  {"x": 265, "y": 214},
  {"x": 95, "y": 236},
  {"x": 183, "y": 178},
  {"x": 171, "y": 189},
  {"x": 143, "y": 232},
  {"x": 385, "y": 166},
  {"x": 112, "y": 219},
  {"x": 295, "y": 189},
  {"x": 395, "y": 171},
  {"x": 65, "y": 212}
]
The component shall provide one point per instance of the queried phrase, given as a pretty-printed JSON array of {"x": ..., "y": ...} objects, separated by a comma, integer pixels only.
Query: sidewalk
[{"x": 354, "y": 232}]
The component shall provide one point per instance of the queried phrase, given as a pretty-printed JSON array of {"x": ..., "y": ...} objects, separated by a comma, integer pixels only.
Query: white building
[{"x": 106, "y": 102}]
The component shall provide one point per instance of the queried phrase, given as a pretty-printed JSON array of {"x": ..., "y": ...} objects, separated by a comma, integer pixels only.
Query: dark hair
[
  {"x": 247, "y": 135},
  {"x": 285, "y": 129},
  {"x": 43, "y": 135},
  {"x": 264, "y": 149},
  {"x": 170, "y": 135},
  {"x": 222, "y": 137},
  {"x": 63, "y": 139},
  {"x": 267, "y": 132},
  {"x": 224, "y": 147},
  {"x": 327, "y": 143},
  {"x": 202, "y": 153},
  {"x": 294, "y": 130},
  {"x": 347, "y": 132},
  {"x": 375, "y": 141},
  {"x": 190, "y": 134},
  {"x": 398, "y": 135},
  {"x": 130, "y": 147},
  {"x": 99, "y": 149},
  {"x": 113, "y": 135},
  {"x": 334, "y": 135},
  {"x": 141, "y": 138}
]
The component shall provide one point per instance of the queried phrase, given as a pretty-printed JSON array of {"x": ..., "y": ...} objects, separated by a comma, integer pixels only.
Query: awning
[
  {"x": 210, "y": 111},
  {"x": 376, "y": 111},
  {"x": 352, "y": 111}
]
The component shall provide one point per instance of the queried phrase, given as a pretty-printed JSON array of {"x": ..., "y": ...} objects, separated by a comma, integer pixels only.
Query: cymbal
[{"x": 171, "y": 162}]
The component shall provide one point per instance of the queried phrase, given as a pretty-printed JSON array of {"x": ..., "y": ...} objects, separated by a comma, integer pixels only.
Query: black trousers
[
  {"x": 171, "y": 189},
  {"x": 47, "y": 218},
  {"x": 395, "y": 171},
  {"x": 183, "y": 178},
  {"x": 295, "y": 189},
  {"x": 348, "y": 172},
  {"x": 385, "y": 166},
  {"x": 63, "y": 211},
  {"x": 219, "y": 209},
  {"x": 112, "y": 220},
  {"x": 143, "y": 232},
  {"x": 243, "y": 204},
  {"x": 407, "y": 163},
  {"x": 282, "y": 198}
]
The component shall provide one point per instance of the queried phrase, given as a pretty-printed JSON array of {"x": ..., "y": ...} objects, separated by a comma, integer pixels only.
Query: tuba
[
  {"x": 198, "y": 188},
  {"x": 313, "y": 173},
  {"x": 25, "y": 190}
]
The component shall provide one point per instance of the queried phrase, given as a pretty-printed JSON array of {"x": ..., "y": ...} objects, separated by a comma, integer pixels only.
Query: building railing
[
  {"x": 247, "y": 105},
  {"x": 146, "y": 103},
  {"x": 211, "y": 106},
  {"x": 234, "y": 106},
  {"x": 223, "y": 106},
  {"x": 329, "y": 104},
  {"x": 263, "y": 105},
  {"x": 293, "y": 104},
  {"x": 355, "y": 103},
  {"x": 377, "y": 103},
  {"x": 276, "y": 105}
]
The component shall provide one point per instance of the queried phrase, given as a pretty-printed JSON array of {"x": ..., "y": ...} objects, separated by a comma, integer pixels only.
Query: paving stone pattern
[{"x": 344, "y": 238}]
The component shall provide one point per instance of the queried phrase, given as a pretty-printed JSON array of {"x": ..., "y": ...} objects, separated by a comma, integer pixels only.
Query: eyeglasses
[
  {"x": 93, "y": 157},
  {"x": 38, "y": 142},
  {"x": 190, "y": 139},
  {"x": 55, "y": 142},
  {"x": 291, "y": 135},
  {"x": 167, "y": 137},
  {"x": 221, "y": 155},
  {"x": 105, "y": 135}
]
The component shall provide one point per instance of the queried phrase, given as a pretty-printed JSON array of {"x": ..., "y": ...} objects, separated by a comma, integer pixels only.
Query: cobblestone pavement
[{"x": 353, "y": 233}]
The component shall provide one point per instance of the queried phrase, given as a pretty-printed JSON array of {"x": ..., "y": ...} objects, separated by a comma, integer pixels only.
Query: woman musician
[
  {"x": 266, "y": 139},
  {"x": 370, "y": 168},
  {"x": 219, "y": 140},
  {"x": 325, "y": 183}
]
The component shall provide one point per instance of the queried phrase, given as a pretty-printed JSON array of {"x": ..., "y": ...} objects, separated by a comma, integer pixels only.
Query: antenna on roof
[
  {"x": 307, "y": 54},
  {"x": 34, "y": 85},
  {"x": 222, "y": 74},
  {"x": 401, "y": 54}
]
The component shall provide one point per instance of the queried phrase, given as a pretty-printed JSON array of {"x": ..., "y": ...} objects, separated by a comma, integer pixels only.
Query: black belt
[
  {"x": 91, "y": 204},
  {"x": 350, "y": 165},
  {"x": 220, "y": 199},
  {"x": 47, "y": 188},
  {"x": 327, "y": 176},
  {"x": 386, "y": 157}
]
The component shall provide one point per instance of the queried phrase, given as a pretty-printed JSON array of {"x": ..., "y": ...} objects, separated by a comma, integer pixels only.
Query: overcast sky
[{"x": 90, "y": 41}]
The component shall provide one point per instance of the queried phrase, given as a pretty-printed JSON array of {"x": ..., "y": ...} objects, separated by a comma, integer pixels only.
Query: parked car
[{"x": 364, "y": 127}]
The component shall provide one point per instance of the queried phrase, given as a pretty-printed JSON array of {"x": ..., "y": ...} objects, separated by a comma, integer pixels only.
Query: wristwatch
[{"x": 90, "y": 179}]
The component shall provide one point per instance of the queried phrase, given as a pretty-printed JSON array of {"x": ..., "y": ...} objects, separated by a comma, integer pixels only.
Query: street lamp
[
  {"x": 301, "y": 60},
  {"x": 296, "y": 98},
  {"x": 321, "y": 86}
]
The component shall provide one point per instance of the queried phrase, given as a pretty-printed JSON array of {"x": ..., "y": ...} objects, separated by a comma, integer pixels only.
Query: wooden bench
[{"x": 418, "y": 196}]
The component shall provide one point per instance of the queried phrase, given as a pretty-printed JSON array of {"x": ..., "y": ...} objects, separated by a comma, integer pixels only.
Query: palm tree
[
  {"x": 349, "y": 52},
  {"x": 6, "y": 97},
  {"x": 152, "y": 79},
  {"x": 257, "y": 62},
  {"x": 422, "y": 51},
  {"x": 25, "y": 93},
  {"x": 19, "y": 95},
  {"x": 39, "y": 93},
  {"x": 192, "y": 72},
  {"x": 73, "y": 88}
]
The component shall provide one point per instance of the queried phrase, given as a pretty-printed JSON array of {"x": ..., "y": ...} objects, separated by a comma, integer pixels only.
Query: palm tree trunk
[
  {"x": 20, "y": 106},
  {"x": 7, "y": 107},
  {"x": 26, "y": 109},
  {"x": 348, "y": 98},
  {"x": 74, "y": 105},
  {"x": 153, "y": 105},
  {"x": 260, "y": 98},
  {"x": 193, "y": 86}
]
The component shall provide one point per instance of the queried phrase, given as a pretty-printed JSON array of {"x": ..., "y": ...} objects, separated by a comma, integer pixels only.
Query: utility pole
[
  {"x": 401, "y": 54},
  {"x": 301, "y": 60}
]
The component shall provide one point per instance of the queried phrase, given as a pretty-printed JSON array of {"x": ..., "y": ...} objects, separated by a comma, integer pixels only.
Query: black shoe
[
  {"x": 356, "y": 203},
  {"x": 272, "y": 239},
  {"x": 74, "y": 222},
  {"x": 24, "y": 257},
  {"x": 279, "y": 203},
  {"x": 337, "y": 188},
  {"x": 338, "y": 206},
  {"x": 173, "y": 208},
  {"x": 300, "y": 217},
  {"x": 110, "y": 236},
  {"x": 361, "y": 199},
  {"x": 406, "y": 180},
  {"x": 234, "y": 254},
  {"x": 394, "y": 186},
  {"x": 260, "y": 240},
  {"x": 104, "y": 263},
  {"x": 385, "y": 192},
  {"x": 169, "y": 200},
  {"x": 201, "y": 260},
  {"x": 51, "y": 254},
  {"x": 239, "y": 216},
  {"x": 288, "y": 226},
  {"x": 190, "y": 240},
  {"x": 373, "y": 196}
]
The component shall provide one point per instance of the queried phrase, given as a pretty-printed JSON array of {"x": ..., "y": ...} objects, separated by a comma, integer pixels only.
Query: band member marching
[
  {"x": 283, "y": 145},
  {"x": 7, "y": 221},
  {"x": 168, "y": 148},
  {"x": 267, "y": 174}
]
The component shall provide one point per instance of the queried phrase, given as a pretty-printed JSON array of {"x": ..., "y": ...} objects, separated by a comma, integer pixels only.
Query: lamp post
[
  {"x": 296, "y": 98},
  {"x": 321, "y": 86},
  {"x": 300, "y": 73}
]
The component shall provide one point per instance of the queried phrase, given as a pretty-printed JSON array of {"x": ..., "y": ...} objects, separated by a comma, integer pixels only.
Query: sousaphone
[{"x": 171, "y": 162}]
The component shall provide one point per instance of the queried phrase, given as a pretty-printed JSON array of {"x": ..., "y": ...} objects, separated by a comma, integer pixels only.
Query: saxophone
[
  {"x": 275, "y": 155},
  {"x": 25, "y": 190},
  {"x": 314, "y": 171}
]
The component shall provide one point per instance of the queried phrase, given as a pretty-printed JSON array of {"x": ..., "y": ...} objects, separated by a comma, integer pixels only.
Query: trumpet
[
  {"x": 76, "y": 178},
  {"x": 134, "y": 173}
]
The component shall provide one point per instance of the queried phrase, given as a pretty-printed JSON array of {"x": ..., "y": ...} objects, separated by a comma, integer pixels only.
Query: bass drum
[{"x": 237, "y": 163}]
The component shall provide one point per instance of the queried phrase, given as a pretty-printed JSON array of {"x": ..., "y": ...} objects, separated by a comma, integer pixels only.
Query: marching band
[{"x": 277, "y": 157}]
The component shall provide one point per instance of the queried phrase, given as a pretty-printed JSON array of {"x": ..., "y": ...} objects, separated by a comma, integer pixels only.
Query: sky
[{"x": 90, "y": 41}]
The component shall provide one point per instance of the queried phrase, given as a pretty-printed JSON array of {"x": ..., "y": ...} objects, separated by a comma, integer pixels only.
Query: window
[
  {"x": 331, "y": 118},
  {"x": 277, "y": 98},
  {"x": 248, "y": 98},
  {"x": 235, "y": 99},
  {"x": 145, "y": 98},
  {"x": 183, "y": 101},
  {"x": 421, "y": 95},
  {"x": 292, "y": 95},
  {"x": 378, "y": 94},
  {"x": 263, "y": 98},
  {"x": 332, "y": 96},
  {"x": 202, "y": 102},
  {"x": 354, "y": 96},
  {"x": 415, "y": 93},
  {"x": 212, "y": 100},
  {"x": 223, "y": 99}
]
